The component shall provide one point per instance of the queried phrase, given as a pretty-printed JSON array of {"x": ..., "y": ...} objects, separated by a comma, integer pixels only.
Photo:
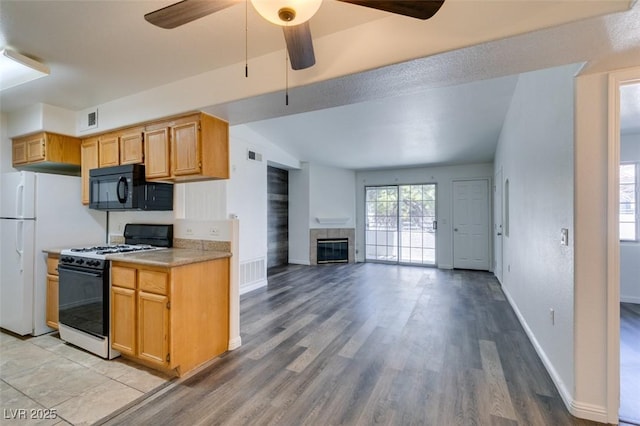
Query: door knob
[{"x": 455, "y": 229}]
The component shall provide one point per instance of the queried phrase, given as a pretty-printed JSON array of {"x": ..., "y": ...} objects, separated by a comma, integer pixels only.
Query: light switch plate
[{"x": 564, "y": 237}]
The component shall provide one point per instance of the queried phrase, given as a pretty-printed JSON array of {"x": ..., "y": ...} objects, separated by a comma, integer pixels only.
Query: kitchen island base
[{"x": 172, "y": 318}]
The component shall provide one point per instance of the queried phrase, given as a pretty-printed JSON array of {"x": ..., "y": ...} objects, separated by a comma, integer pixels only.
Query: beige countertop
[{"x": 169, "y": 258}]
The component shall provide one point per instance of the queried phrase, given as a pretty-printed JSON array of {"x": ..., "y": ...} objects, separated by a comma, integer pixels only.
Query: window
[
  {"x": 629, "y": 202},
  {"x": 401, "y": 224}
]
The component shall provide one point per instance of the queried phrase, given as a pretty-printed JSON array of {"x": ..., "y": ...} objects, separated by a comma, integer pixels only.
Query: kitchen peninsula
[{"x": 169, "y": 308}]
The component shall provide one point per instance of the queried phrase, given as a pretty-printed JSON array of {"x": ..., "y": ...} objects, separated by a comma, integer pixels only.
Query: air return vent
[{"x": 89, "y": 119}]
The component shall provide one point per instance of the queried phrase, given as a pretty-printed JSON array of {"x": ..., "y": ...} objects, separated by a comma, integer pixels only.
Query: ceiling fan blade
[
  {"x": 421, "y": 9},
  {"x": 300, "y": 46},
  {"x": 185, "y": 11}
]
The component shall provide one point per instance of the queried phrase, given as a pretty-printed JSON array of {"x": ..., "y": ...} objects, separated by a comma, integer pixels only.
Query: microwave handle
[{"x": 122, "y": 183}]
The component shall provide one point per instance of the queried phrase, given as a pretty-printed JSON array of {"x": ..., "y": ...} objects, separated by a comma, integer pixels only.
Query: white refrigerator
[{"x": 38, "y": 211}]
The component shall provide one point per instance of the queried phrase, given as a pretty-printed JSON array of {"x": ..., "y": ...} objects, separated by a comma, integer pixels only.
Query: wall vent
[
  {"x": 255, "y": 156},
  {"x": 89, "y": 119},
  {"x": 252, "y": 271}
]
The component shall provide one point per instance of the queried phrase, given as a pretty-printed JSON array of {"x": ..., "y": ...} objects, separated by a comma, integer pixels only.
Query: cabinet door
[
  {"x": 123, "y": 320},
  {"x": 156, "y": 148},
  {"x": 185, "y": 146},
  {"x": 88, "y": 161},
  {"x": 19, "y": 152},
  {"x": 52, "y": 301},
  {"x": 131, "y": 148},
  {"x": 36, "y": 149},
  {"x": 108, "y": 151},
  {"x": 153, "y": 328}
]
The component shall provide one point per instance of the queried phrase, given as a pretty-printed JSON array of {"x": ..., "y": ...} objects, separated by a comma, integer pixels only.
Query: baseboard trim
[
  {"x": 630, "y": 299},
  {"x": 596, "y": 413},
  {"x": 444, "y": 266},
  {"x": 235, "y": 343},
  {"x": 246, "y": 288},
  {"x": 578, "y": 409},
  {"x": 300, "y": 262}
]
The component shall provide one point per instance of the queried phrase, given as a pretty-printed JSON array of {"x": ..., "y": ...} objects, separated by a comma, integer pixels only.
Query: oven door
[{"x": 84, "y": 299}]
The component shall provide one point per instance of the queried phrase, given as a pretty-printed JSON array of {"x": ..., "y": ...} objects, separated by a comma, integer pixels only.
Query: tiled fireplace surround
[{"x": 316, "y": 234}]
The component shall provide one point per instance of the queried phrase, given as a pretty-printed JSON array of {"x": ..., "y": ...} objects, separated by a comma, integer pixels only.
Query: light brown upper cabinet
[
  {"x": 196, "y": 147},
  {"x": 186, "y": 148},
  {"x": 131, "y": 146},
  {"x": 108, "y": 150},
  {"x": 156, "y": 148},
  {"x": 47, "y": 151},
  {"x": 90, "y": 160},
  {"x": 121, "y": 147}
]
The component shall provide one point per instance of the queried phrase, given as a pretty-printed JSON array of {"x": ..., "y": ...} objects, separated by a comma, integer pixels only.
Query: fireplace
[
  {"x": 333, "y": 250},
  {"x": 342, "y": 235}
]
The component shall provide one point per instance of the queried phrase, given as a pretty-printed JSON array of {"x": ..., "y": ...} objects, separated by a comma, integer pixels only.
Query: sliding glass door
[{"x": 401, "y": 223}]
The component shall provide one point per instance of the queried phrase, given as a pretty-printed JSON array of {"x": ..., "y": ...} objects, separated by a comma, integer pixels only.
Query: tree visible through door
[{"x": 400, "y": 224}]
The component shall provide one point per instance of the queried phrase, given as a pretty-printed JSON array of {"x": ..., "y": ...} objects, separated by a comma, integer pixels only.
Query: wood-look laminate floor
[
  {"x": 630, "y": 362},
  {"x": 368, "y": 344}
]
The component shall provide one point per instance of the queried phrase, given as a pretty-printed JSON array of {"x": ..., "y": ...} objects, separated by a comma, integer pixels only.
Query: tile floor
[{"x": 44, "y": 377}]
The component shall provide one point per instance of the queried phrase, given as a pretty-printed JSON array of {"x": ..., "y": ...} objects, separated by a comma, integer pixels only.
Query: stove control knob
[{"x": 79, "y": 261}]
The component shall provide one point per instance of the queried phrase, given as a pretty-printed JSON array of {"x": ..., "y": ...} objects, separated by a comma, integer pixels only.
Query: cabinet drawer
[
  {"x": 153, "y": 281},
  {"x": 123, "y": 277},
  {"x": 52, "y": 265}
]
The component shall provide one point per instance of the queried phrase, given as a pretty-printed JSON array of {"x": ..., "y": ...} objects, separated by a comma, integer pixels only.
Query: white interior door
[
  {"x": 471, "y": 224},
  {"x": 497, "y": 225}
]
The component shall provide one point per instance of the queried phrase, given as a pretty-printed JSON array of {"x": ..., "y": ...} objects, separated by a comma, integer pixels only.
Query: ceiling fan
[{"x": 292, "y": 15}]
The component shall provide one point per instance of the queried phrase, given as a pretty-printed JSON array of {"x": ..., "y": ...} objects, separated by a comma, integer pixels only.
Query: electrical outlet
[
  {"x": 214, "y": 231},
  {"x": 189, "y": 231}
]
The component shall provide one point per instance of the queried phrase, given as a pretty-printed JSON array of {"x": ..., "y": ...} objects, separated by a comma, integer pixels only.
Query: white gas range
[{"x": 84, "y": 288}]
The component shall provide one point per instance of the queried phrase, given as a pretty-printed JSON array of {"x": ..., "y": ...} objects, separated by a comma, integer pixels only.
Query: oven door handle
[{"x": 78, "y": 271}]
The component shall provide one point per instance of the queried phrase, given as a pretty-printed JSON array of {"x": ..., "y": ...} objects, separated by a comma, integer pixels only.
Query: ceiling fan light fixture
[{"x": 286, "y": 12}]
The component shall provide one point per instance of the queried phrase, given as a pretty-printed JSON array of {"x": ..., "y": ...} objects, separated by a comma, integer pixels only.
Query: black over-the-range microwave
[{"x": 125, "y": 188}]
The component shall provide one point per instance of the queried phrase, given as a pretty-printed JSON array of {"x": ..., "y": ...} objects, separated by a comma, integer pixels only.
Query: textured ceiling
[{"x": 390, "y": 90}]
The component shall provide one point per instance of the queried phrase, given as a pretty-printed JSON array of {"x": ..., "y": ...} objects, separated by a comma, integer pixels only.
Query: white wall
[
  {"x": 5, "y": 146},
  {"x": 317, "y": 191},
  {"x": 535, "y": 152},
  {"x": 443, "y": 177},
  {"x": 331, "y": 196},
  {"x": 39, "y": 117},
  {"x": 247, "y": 199},
  {"x": 590, "y": 266},
  {"x": 299, "y": 215},
  {"x": 630, "y": 252}
]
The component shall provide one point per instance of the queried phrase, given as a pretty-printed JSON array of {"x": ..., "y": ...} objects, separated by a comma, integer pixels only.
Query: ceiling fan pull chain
[
  {"x": 246, "y": 38},
  {"x": 286, "y": 77}
]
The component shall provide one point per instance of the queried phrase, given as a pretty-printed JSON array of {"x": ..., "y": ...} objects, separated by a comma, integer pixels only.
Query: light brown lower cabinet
[
  {"x": 170, "y": 318},
  {"x": 52, "y": 291}
]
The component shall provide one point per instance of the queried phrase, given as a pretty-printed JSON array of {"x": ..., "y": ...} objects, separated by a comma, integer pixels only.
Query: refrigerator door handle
[
  {"x": 20, "y": 199},
  {"x": 20, "y": 242}
]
